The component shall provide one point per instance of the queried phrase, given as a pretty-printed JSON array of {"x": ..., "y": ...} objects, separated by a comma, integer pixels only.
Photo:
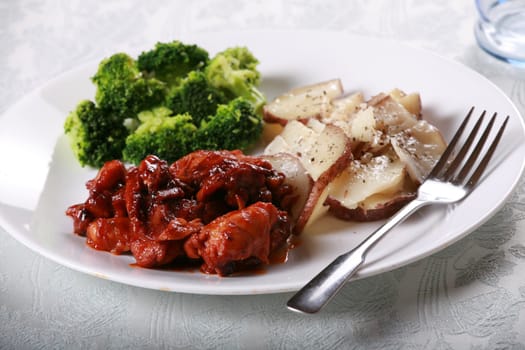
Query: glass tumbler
[{"x": 500, "y": 29}]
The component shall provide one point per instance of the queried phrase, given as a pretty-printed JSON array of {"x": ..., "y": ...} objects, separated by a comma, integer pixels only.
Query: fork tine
[
  {"x": 450, "y": 148},
  {"x": 463, "y": 151},
  {"x": 483, "y": 164},
  {"x": 475, "y": 153}
]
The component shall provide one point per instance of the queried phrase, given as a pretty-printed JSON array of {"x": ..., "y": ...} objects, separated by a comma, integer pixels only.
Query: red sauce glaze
[{"x": 222, "y": 209}]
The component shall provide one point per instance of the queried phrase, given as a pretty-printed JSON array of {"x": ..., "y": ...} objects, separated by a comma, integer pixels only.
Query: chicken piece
[
  {"x": 152, "y": 253},
  {"x": 237, "y": 179},
  {"x": 154, "y": 173},
  {"x": 104, "y": 200},
  {"x": 112, "y": 235},
  {"x": 110, "y": 179},
  {"x": 196, "y": 166},
  {"x": 179, "y": 228},
  {"x": 162, "y": 248},
  {"x": 81, "y": 218},
  {"x": 234, "y": 237},
  {"x": 111, "y": 175}
]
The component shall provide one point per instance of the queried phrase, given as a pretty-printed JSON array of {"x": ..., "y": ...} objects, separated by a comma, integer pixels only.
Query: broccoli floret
[
  {"x": 235, "y": 71},
  {"x": 170, "y": 101},
  {"x": 161, "y": 133},
  {"x": 170, "y": 62},
  {"x": 234, "y": 126},
  {"x": 123, "y": 89},
  {"x": 195, "y": 96},
  {"x": 96, "y": 135}
]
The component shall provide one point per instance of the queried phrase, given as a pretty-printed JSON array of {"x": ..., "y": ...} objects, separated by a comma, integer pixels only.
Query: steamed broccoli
[
  {"x": 171, "y": 62},
  {"x": 170, "y": 136},
  {"x": 161, "y": 133},
  {"x": 234, "y": 126},
  {"x": 96, "y": 135},
  {"x": 235, "y": 71},
  {"x": 195, "y": 96},
  {"x": 122, "y": 89},
  {"x": 169, "y": 101}
]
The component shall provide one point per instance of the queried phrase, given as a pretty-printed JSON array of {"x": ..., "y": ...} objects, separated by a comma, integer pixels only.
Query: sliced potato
[
  {"x": 391, "y": 116},
  {"x": 371, "y": 191},
  {"x": 325, "y": 129},
  {"x": 363, "y": 126},
  {"x": 411, "y": 102},
  {"x": 317, "y": 145},
  {"x": 323, "y": 149},
  {"x": 296, "y": 176},
  {"x": 303, "y": 102},
  {"x": 360, "y": 181},
  {"x": 343, "y": 107},
  {"x": 419, "y": 148}
]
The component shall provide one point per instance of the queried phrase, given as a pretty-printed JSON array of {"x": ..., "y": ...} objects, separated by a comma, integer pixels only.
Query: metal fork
[{"x": 448, "y": 182}]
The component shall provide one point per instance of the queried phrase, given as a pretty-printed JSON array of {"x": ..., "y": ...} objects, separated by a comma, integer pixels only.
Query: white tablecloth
[{"x": 469, "y": 296}]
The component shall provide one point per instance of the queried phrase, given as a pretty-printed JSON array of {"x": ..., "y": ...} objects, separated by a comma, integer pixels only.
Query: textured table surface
[{"x": 468, "y": 296}]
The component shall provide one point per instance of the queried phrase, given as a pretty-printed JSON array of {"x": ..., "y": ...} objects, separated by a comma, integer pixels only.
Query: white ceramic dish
[{"x": 40, "y": 178}]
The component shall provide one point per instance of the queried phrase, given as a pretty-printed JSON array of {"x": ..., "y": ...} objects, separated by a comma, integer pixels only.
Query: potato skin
[
  {"x": 362, "y": 214},
  {"x": 319, "y": 186}
]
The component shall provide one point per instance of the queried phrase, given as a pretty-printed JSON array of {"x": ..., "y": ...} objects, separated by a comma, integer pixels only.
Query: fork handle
[{"x": 316, "y": 293}]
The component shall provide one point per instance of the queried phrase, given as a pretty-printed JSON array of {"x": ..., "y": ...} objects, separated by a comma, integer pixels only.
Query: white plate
[{"x": 39, "y": 177}]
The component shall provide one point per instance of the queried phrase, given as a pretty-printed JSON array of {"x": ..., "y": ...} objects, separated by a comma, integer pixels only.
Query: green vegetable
[
  {"x": 195, "y": 96},
  {"x": 171, "y": 62},
  {"x": 161, "y": 133},
  {"x": 170, "y": 101},
  {"x": 171, "y": 136},
  {"x": 235, "y": 71},
  {"x": 122, "y": 89},
  {"x": 235, "y": 125},
  {"x": 96, "y": 135}
]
